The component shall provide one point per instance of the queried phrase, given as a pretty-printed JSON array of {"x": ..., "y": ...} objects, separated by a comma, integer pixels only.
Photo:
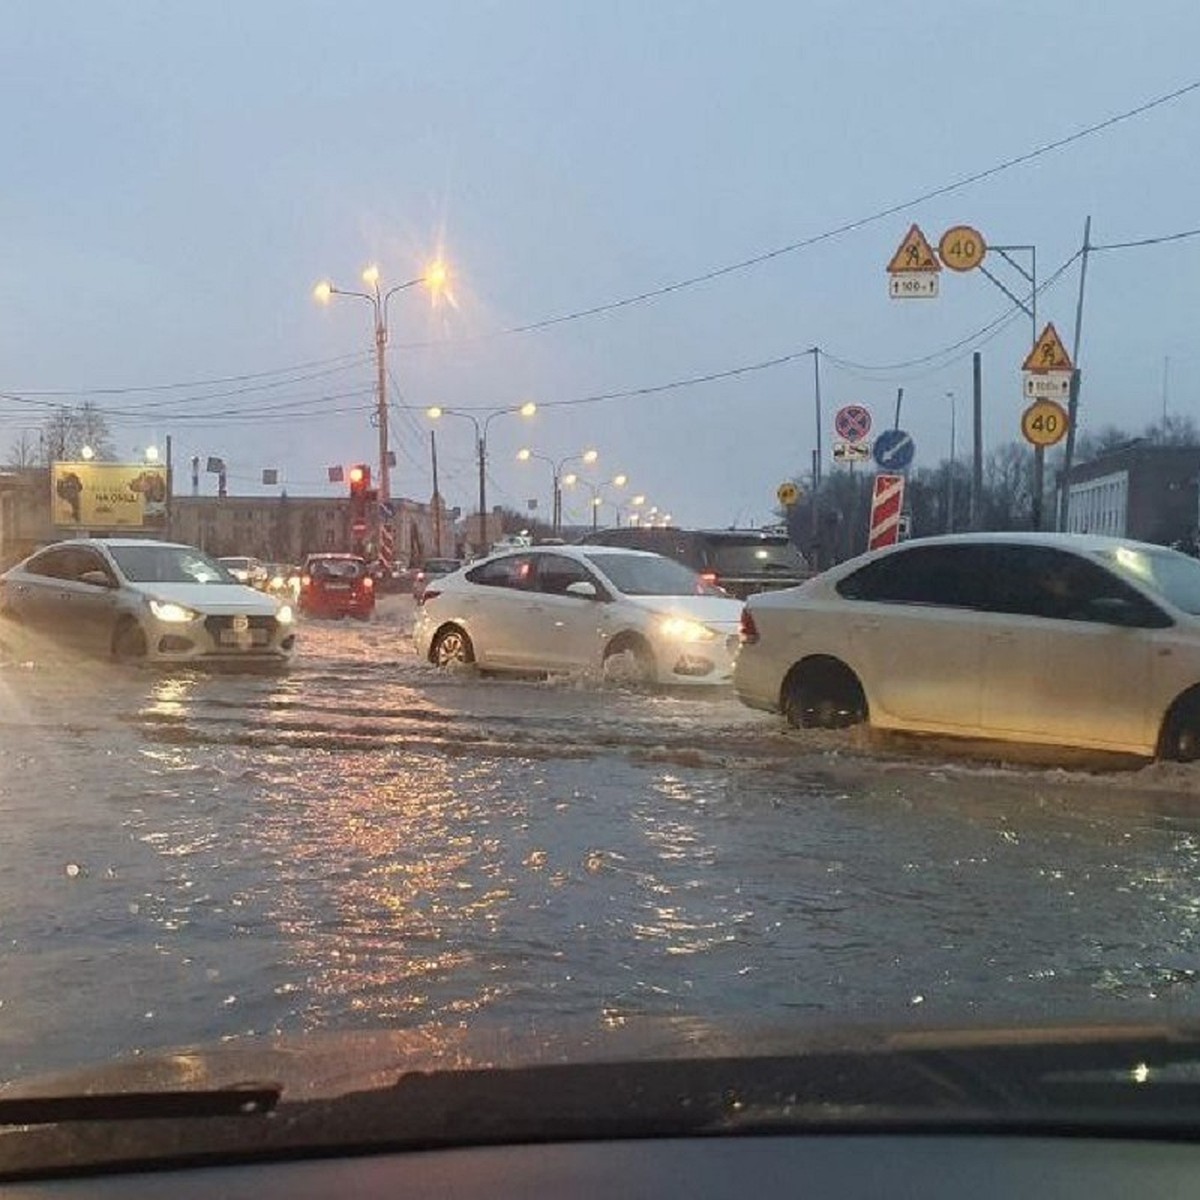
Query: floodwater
[{"x": 362, "y": 842}]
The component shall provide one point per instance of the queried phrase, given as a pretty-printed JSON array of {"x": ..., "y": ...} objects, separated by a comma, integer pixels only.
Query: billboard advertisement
[{"x": 96, "y": 496}]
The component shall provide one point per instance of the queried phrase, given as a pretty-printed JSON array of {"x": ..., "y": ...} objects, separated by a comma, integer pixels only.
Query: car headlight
[
  {"x": 684, "y": 629},
  {"x": 173, "y": 614},
  {"x": 284, "y": 614}
]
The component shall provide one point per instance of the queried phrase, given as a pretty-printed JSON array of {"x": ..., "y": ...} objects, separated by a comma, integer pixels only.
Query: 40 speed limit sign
[{"x": 1044, "y": 423}]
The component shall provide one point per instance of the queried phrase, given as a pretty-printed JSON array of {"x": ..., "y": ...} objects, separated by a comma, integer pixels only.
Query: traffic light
[
  {"x": 360, "y": 487},
  {"x": 360, "y": 480}
]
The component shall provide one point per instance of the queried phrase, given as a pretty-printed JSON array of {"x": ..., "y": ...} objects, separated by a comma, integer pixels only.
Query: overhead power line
[
  {"x": 350, "y": 359},
  {"x": 891, "y": 210},
  {"x": 1150, "y": 241}
]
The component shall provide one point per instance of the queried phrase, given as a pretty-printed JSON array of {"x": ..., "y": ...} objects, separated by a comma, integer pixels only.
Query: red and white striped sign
[{"x": 886, "y": 503}]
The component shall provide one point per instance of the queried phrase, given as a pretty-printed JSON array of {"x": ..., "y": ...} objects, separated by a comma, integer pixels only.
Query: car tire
[
  {"x": 1179, "y": 740},
  {"x": 129, "y": 642},
  {"x": 451, "y": 646},
  {"x": 644, "y": 667},
  {"x": 822, "y": 693}
]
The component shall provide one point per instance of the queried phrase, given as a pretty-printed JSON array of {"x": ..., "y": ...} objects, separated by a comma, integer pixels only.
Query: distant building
[
  {"x": 286, "y": 528},
  {"x": 1139, "y": 491},
  {"x": 273, "y": 528}
]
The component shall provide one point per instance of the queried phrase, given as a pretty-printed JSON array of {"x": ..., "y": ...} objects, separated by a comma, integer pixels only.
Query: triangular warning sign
[
  {"x": 914, "y": 254},
  {"x": 1048, "y": 353}
]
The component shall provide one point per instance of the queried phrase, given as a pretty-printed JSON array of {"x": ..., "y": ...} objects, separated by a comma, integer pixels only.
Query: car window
[
  {"x": 651, "y": 575},
  {"x": 556, "y": 573},
  {"x": 947, "y": 576},
  {"x": 1040, "y": 581},
  {"x": 169, "y": 564},
  {"x": 336, "y": 568},
  {"x": 1172, "y": 575},
  {"x": 734, "y": 556},
  {"x": 52, "y": 564},
  {"x": 79, "y": 560},
  {"x": 511, "y": 571}
]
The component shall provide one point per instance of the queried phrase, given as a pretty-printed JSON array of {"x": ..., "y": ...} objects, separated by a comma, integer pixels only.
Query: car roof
[
  {"x": 1087, "y": 542},
  {"x": 114, "y": 541}
]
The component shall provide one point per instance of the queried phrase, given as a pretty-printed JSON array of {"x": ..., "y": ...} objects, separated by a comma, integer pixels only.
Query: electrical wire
[
  {"x": 358, "y": 356},
  {"x": 852, "y": 226},
  {"x": 1150, "y": 241}
]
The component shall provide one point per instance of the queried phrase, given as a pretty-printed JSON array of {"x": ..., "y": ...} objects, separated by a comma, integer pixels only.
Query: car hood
[
  {"x": 712, "y": 610},
  {"x": 221, "y": 599}
]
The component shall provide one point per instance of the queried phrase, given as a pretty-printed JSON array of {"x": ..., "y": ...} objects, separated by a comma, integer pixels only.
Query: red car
[{"x": 336, "y": 585}]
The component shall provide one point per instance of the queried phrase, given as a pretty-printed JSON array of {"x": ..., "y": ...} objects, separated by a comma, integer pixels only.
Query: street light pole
[
  {"x": 953, "y": 453},
  {"x": 435, "y": 278}
]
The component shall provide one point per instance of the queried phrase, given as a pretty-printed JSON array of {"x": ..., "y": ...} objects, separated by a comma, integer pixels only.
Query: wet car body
[
  {"x": 1046, "y": 639},
  {"x": 133, "y": 598},
  {"x": 431, "y": 569},
  {"x": 592, "y": 609},
  {"x": 336, "y": 585}
]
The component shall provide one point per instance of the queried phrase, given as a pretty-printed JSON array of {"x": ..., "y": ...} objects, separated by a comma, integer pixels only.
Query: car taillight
[
  {"x": 748, "y": 634},
  {"x": 710, "y": 577},
  {"x": 420, "y": 576},
  {"x": 368, "y": 582},
  {"x": 306, "y": 581},
  {"x": 428, "y": 594}
]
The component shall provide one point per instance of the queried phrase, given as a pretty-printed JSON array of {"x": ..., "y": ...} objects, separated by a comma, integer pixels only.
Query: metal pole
[
  {"x": 1073, "y": 399},
  {"x": 595, "y": 513},
  {"x": 437, "y": 500},
  {"x": 169, "y": 507},
  {"x": 385, "y": 482},
  {"x": 899, "y": 400},
  {"x": 953, "y": 456},
  {"x": 556, "y": 505},
  {"x": 482, "y": 446},
  {"x": 816, "y": 353},
  {"x": 977, "y": 435}
]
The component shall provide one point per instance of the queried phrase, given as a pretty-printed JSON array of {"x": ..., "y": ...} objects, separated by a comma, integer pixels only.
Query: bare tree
[
  {"x": 24, "y": 452},
  {"x": 69, "y": 428}
]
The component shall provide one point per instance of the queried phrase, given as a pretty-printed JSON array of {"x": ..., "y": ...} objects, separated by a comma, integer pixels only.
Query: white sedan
[
  {"x": 1055, "y": 639},
  {"x": 139, "y": 599},
  {"x": 573, "y": 608}
]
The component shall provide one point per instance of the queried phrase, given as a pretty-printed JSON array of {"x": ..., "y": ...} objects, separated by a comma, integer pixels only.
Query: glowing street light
[
  {"x": 559, "y": 479},
  {"x": 435, "y": 279},
  {"x": 435, "y": 412},
  {"x": 152, "y": 454}
]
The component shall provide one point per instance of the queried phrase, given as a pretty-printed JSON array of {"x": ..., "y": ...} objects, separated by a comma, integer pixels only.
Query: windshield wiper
[{"x": 250, "y": 1099}]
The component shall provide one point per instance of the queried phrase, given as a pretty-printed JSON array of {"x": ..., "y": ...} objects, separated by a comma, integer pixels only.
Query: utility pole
[
  {"x": 381, "y": 409},
  {"x": 1073, "y": 399},
  {"x": 977, "y": 437},
  {"x": 953, "y": 464},
  {"x": 437, "y": 500},
  {"x": 481, "y": 444},
  {"x": 816, "y": 353},
  {"x": 170, "y": 480}
]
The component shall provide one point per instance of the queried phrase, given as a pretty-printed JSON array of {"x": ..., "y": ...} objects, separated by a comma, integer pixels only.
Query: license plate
[
  {"x": 337, "y": 587},
  {"x": 241, "y": 638}
]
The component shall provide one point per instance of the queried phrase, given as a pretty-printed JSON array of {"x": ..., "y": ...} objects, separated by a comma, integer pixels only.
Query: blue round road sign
[{"x": 894, "y": 450}]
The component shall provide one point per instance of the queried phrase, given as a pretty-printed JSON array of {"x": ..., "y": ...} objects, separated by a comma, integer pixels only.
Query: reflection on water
[{"x": 364, "y": 843}]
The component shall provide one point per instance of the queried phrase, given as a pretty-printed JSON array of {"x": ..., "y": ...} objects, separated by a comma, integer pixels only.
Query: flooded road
[{"x": 363, "y": 843}]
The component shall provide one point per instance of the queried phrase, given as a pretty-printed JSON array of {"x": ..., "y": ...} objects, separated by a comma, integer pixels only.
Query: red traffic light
[{"x": 359, "y": 474}]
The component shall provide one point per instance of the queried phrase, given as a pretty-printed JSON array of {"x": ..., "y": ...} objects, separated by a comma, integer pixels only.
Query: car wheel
[
  {"x": 823, "y": 693},
  {"x": 129, "y": 642},
  {"x": 1180, "y": 737},
  {"x": 451, "y": 646},
  {"x": 629, "y": 659}
]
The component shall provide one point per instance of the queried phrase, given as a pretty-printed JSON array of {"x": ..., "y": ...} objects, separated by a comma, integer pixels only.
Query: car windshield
[
  {"x": 169, "y": 564},
  {"x": 337, "y": 568},
  {"x": 732, "y": 556},
  {"x": 783, "y": 376},
  {"x": 651, "y": 575},
  {"x": 1173, "y": 576}
]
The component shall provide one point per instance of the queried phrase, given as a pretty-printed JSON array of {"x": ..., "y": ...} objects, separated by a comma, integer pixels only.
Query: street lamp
[
  {"x": 587, "y": 457},
  {"x": 436, "y": 412},
  {"x": 618, "y": 481},
  {"x": 87, "y": 454},
  {"x": 152, "y": 454},
  {"x": 435, "y": 279}
]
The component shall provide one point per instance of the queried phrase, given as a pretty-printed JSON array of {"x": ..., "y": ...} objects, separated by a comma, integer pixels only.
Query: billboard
[{"x": 95, "y": 495}]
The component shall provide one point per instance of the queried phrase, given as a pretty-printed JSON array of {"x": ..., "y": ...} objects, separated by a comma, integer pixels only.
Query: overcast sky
[{"x": 178, "y": 176}]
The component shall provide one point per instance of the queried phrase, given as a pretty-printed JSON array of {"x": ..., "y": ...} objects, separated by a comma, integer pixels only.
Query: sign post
[
  {"x": 1047, "y": 373},
  {"x": 913, "y": 269}
]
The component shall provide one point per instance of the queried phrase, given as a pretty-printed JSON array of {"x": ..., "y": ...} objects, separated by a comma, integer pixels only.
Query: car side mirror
[
  {"x": 96, "y": 579},
  {"x": 584, "y": 588}
]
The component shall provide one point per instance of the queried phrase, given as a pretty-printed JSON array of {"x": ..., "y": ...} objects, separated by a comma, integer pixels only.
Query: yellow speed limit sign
[
  {"x": 787, "y": 494},
  {"x": 962, "y": 248},
  {"x": 1044, "y": 423}
]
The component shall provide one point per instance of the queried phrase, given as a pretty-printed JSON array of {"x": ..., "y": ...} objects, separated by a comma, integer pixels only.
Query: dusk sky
[{"x": 179, "y": 176}]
